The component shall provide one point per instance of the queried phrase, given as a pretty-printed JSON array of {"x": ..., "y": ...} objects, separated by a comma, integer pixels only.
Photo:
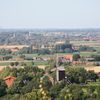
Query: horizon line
[{"x": 49, "y": 28}]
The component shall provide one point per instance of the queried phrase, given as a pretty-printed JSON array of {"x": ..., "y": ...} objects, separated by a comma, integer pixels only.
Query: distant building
[
  {"x": 60, "y": 42},
  {"x": 9, "y": 80},
  {"x": 69, "y": 57},
  {"x": 66, "y": 58}
]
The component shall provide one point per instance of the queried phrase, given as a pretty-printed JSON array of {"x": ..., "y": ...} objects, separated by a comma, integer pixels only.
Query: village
[{"x": 51, "y": 63}]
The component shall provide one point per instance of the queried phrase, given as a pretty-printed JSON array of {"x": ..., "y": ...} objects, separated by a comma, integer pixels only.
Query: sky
[{"x": 49, "y": 13}]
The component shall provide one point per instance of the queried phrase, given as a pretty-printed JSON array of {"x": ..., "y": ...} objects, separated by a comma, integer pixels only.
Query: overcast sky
[{"x": 50, "y": 13}]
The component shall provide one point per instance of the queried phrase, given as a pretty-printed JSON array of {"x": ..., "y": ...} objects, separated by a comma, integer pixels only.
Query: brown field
[
  {"x": 96, "y": 69},
  {"x": 2, "y": 67},
  {"x": 12, "y": 46}
]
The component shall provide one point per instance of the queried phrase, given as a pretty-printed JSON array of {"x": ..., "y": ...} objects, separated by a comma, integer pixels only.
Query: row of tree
[{"x": 60, "y": 48}]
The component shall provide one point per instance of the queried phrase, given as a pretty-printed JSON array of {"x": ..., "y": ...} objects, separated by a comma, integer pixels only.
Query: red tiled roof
[
  {"x": 9, "y": 80},
  {"x": 69, "y": 56},
  {"x": 9, "y": 77}
]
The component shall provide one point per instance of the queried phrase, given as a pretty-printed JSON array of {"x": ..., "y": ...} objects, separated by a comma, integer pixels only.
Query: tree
[
  {"x": 5, "y": 51},
  {"x": 55, "y": 90},
  {"x": 67, "y": 47},
  {"x": 76, "y": 57},
  {"x": 12, "y": 63},
  {"x": 44, "y": 51},
  {"x": 5, "y": 72},
  {"x": 76, "y": 75},
  {"x": 25, "y": 50},
  {"x": 36, "y": 94},
  {"x": 16, "y": 63},
  {"x": 3, "y": 87},
  {"x": 26, "y": 79},
  {"x": 86, "y": 48},
  {"x": 96, "y": 57},
  {"x": 47, "y": 84},
  {"x": 92, "y": 76},
  {"x": 20, "y": 85},
  {"x": 71, "y": 92}
]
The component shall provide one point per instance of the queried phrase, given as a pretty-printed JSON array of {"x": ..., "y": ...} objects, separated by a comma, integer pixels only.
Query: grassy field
[
  {"x": 84, "y": 54},
  {"x": 7, "y": 63},
  {"x": 44, "y": 56},
  {"x": 41, "y": 63},
  {"x": 88, "y": 43}
]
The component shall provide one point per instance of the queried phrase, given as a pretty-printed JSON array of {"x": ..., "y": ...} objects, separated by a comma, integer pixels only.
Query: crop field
[
  {"x": 87, "y": 43},
  {"x": 12, "y": 46},
  {"x": 94, "y": 44},
  {"x": 84, "y": 54},
  {"x": 44, "y": 56},
  {"x": 7, "y": 63}
]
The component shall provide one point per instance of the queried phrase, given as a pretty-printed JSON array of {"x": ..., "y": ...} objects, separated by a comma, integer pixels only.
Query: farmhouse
[{"x": 69, "y": 57}]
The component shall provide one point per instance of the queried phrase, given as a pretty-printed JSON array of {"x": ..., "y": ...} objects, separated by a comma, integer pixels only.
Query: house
[
  {"x": 65, "y": 58},
  {"x": 69, "y": 57},
  {"x": 9, "y": 80},
  {"x": 62, "y": 59}
]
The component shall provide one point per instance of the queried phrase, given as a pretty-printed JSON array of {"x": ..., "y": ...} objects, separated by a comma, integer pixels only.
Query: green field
[
  {"x": 29, "y": 63},
  {"x": 89, "y": 43},
  {"x": 84, "y": 54},
  {"x": 46, "y": 55}
]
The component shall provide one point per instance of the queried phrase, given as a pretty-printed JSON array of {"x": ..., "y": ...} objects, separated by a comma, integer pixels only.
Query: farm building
[{"x": 69, "y": 57}]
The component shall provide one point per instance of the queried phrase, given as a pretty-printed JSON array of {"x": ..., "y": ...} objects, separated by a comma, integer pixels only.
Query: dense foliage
[
  {"x": 5, "y": 51},
  {"x": 32, "y": 82},
  {"x": 86, "y": 48},
  {"x": 96, "y": 57},
  {"x": 67, "y": 48}
]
